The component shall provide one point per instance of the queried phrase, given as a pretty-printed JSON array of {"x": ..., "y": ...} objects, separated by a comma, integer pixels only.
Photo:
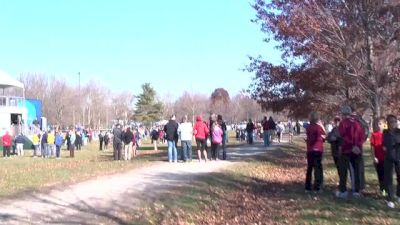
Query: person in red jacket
[
  {"x": 350, "y": 152},
  {"x": 200, "y": 132},
  {"x": 6, "y": 140},
  {"x": 315, "y": 148},
  {"x": 378, "y": 153}
]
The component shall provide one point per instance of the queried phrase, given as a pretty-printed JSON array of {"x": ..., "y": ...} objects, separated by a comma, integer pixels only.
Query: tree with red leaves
[{"x": 335, "y": 52}]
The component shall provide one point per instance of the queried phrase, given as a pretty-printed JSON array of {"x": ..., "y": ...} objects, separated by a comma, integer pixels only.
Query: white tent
[{"x": 7, "y": 81}]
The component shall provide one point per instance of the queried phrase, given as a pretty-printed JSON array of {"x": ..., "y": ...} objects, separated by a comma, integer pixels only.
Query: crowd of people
[
  {"x": 347, "y": 137},
  {"x": 212, "y": 133},
  {"x": 47, "y": 143}
]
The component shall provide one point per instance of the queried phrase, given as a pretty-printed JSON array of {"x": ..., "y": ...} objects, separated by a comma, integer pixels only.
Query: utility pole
[{"x": 79, "y": 98}]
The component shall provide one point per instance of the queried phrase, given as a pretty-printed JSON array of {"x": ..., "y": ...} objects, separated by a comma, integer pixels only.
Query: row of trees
[
  {"x": 96, "y": 106},
  {"x": 335, "y": 52},
  {"x": 63, "y": 104}
]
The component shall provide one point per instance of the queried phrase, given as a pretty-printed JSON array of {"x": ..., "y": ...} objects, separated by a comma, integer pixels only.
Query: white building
[{"x": 13, "y": 112}]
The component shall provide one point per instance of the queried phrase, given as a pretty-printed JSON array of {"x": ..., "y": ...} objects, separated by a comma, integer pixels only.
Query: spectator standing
[
  {"x": 250, "y": 129},
  {"x": 20, "y": 141},
  {"x": 391, "y": 146},
  {"x": 6, "y": 141},
  {"x": 280, "y": 128},
  {"x": 154, "y": 135},
  {"x": 200, "y": 132},
  {"x": 350, "y": 152},
  {"x": 117, "y": 142},
  {"x": 378, "y": 153},
  {"x": 71, "y": 149},
  {"x": 290, "y": 131},
  {"x": 222, "y": 124},
  {"x": 36, "y": 144},
  {"x": 51, "y": 148},
  {"x": 334, "y": 141},
  {"x": 217, "y": 136},
  {"x": 315, "y": 148},
  {"x": 106, "y": 140},
  {"x": 127, "y": 138},
  {"x": 171, "y": 132},
  {"x": 185, "y": 132},
  {"x": 298, "y": 127},
  {"x": 101, "y": 140},
  {"x": 43, "y": 143},
  {"x": 58, "y": 142}
]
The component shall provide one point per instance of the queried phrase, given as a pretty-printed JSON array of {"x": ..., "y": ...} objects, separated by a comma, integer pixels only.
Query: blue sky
[{"x": 195, "y": 45}]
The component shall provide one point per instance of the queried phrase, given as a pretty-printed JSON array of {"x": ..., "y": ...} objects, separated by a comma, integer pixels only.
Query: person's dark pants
[
  {"x": 117, "y": 151},
  {"x": 388, "y": 177},
  {"x": 35, "y": 150},
  {"x": 250, "y": 137},
  {"x": 58, "y": 151},
  {"x": 72, "y": 151},
  {"x": 314, "y": 162},
  {"x": 224, "y": 149},
  {"x": 187, "y": 150},
  {"x": 380, "y": 169},
  {"x": 14, "y": 147},
  {"x": 214, "y": 151},
  {"x": 353, "y": 161},
  {"x": 362, "y": 173},
  {"x": 101, "y": 145},
  {"x": 6, "y": 151}
]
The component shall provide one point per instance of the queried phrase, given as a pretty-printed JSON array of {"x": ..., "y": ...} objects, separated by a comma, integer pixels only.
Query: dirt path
[{"x": 107, "y": 199}]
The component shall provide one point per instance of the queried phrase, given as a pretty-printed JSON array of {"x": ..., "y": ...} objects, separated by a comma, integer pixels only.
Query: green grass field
[{"x": 27, "y": 174}]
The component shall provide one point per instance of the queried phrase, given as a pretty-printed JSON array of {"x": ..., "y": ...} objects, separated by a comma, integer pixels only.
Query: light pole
[{"x": 79, "y": 97}]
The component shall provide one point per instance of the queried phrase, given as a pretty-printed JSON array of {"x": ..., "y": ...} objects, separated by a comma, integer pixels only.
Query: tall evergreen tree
[{"x": 148, "y": 109}]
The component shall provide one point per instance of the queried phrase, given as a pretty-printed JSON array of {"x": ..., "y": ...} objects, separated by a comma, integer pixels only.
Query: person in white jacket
[
  {"x": 185, "y": 132},
  {"x": 280, "y": 129}
]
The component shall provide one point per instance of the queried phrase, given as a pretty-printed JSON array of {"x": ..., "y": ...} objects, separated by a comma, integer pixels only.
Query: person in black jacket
[
  {"x": 171, "y": 133},
  {"x": 127, "y": 138},
  {"x": 224, "y": 135},
  {"x": 334, "y": 140},
  {"x": 391, "y": 147},
  {"x": 117, "y": 142},
  {"x": 250, "y": 129},
  {"x": 101, "y": 140}
]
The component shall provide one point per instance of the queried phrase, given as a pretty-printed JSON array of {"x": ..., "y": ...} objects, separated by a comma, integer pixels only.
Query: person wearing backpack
[
  {"x": 154, "y": 135},
  {"x": 350, "y": 152},
  {"x": 391, "y": 147},
  {"x": 217, "y": 135},
  {"x": 334, "y": 141},
  {"x": 6, "y": 141}
]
